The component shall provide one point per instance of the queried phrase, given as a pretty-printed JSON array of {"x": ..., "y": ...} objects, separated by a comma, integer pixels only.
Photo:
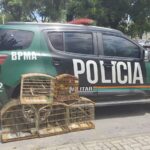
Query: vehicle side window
[
  {"x": 79, "y": 43},
  {"x": 121, "y": 47},
  {"x": 56, "y": 39},
  {"x": 15, "y": 39},
  {"x": 73, "y": 42}
]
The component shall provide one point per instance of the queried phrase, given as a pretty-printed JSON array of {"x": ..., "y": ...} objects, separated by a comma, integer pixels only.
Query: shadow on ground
[{"x": 121, "y": 111}]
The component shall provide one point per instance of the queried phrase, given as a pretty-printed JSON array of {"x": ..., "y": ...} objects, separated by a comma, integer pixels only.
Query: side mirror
[{"x": 146, "y": 55}]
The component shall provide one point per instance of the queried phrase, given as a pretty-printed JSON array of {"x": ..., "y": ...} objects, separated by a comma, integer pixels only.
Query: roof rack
[
  {"x": 16, "y": 22},
  {"x": 64, "y": 24},
  {"x": 40, "y": 23}
]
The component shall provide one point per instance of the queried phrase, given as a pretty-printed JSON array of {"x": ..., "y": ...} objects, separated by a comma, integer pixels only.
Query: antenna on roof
[{"x": 3, "y": 19}]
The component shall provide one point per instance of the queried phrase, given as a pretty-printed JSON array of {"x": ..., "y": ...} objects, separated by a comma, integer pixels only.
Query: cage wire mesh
[
  {"x": 81, "y": 114},
  {"x": 56, "y": 121},
  {"x": 36, "y": 89},
  {"x": 66, "y": 88},
  {"x": 14, "y": 125},
  {"x": 47, "y": 106}
]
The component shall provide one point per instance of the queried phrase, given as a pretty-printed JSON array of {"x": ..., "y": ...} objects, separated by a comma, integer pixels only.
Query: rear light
[{"x": 2, "y": 59}]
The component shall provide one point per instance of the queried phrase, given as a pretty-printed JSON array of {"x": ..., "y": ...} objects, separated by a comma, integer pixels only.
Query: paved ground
[
  {"x": 117, "y": 128},
  {"x": 138, "y": 142}
]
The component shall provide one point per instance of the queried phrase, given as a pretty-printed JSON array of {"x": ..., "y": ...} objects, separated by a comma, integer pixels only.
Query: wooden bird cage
[
  {"x": 81, "y": 114},
  {"x": 14, "y": 125},
  {"x": 56, "y": 121},
  {"x": 20, "y": 121},
  {"x": 36, "y": 89},
  {"x": 47, "y": 106},
  {"x": 66, "y": 88}
]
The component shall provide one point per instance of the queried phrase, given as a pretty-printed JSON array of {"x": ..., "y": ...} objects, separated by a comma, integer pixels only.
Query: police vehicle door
[
  {"x": 121, "y": 66},
  {"x": 75, "y": 52}
]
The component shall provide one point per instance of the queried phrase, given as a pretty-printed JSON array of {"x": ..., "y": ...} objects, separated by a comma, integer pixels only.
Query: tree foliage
[
  {"x": 140, "y": 15},
  {"x": 51, "y": 10},
  {"x": 130, "y": 16},
  {"x": 13, "y": 8},
  {"x": 30, "y": 10}
]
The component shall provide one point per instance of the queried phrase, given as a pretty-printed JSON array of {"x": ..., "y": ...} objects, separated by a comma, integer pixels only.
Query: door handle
[
  {"x": 107, "y": 65},
  {"x": 57, "y": 62}
]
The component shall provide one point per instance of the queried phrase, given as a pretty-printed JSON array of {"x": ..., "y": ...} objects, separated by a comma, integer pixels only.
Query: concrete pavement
[
  {"x": 117, "y": 128},
  {"x": 136, "y": 142}
]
